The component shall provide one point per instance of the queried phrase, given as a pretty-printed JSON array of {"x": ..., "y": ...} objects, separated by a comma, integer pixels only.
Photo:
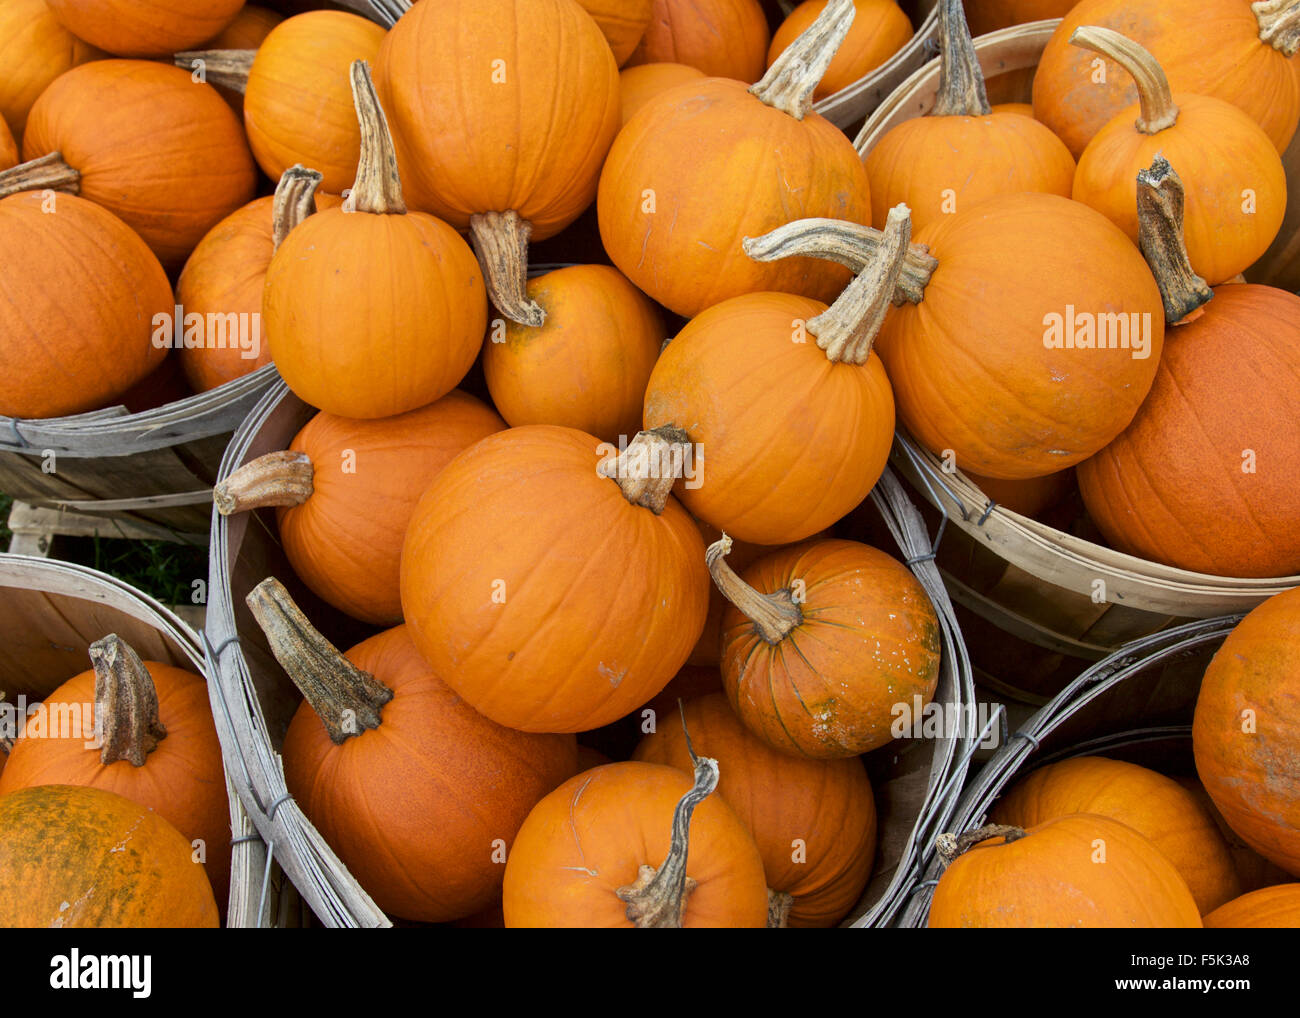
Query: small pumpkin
[
  {"x": 141, "y": 28},
  {"x": 638, "y": 85},
  {"x": 880, "y": 29},
  {"x": 251, "y": 26},
  {"x": 707, "y": 650},
  {"x": 35, "y": 49},
  {"x": 1270, "y": 908},
  {"x": 622, "y": 22},
  {"x": 723, "y": 38}
]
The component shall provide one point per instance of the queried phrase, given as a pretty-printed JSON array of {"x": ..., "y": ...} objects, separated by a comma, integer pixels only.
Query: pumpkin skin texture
[
  {"x": 1234, "y": 66},
  {"x": 986, "y": 16},
  {"x": 1153, "y": 805},
  {"x": 345, "y": 541},
  {"x": 1050, "y": 408},
  {"x": 558, "y": 108},
  {"x": 1048, "y": 879},
  {"x": 1171, "y": 488},
  {"x": 723, "y": 38},
  {"x": 140, "y": 28},
  {"x": 826, "y": 804},
  {"x": 1271, "y": 908},
  {"x": 119, "y": 122},
  {"x": 588, "y": 365},
  {"x": 35, "y": 49},
  {"x": 1254, "y": 776},
  {"x": 64, "y": 843},
  {"x": 8, "y": 148},
  {"x": 433, "y": 764},
  {"x": 554, "y": 603},
  {"x": 822, "y": 430},
  {"x": 880, "y": 29},
  {"x": 588, "y": 838},
  {"x": 251, "y": 26},
  {"x": 753, "y": 168},
  {"x": 638, "y": 85},
  {"x": 622, "y": 22},
  {"x": 298, "y": 103},
  {"x": 64, "y": 356}
]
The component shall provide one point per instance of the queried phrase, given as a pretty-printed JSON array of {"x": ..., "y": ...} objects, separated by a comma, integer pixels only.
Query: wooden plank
[{"x": 28, "y": 521}]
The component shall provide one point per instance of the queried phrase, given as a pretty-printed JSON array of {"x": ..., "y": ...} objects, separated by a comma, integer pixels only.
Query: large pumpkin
[
  {"x": 880, "y": 29},
  {"x": 1246, "y": 730},
  {"x": 142, "y": 28},
  {"x": 723, "y": 38},
  {"x": 35, "y": 49},
  {"x": 551, "y": 596},
  {"x": 1270, "y": 908}
]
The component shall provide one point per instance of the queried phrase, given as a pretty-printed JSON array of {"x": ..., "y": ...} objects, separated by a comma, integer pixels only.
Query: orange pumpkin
[
  {"x": 587, "y": 365},
  {"x": 986, "y": 16},
  {"x": 623, "y": 23},
  {"x": 1052, "y": 876},
  {"x": 723, "y": 38},
  {"x": 1271, "y": 908},
  {"x": 369, "y": 310},
  {"x": 69, "y": 346},
  {"x": 759, "y": 158},
  {"x": 608, "y": 849},
  {"x": 141, "y": 28},
  {"x": 825, "y": 807},
  {"x": 62, "y": 864},
  {"x": 569, "y": 595},
  {"x": 1029, "y": 497},
  {"x": 1246, "y": 730},
  {"x": 251, "y": 26},
  {"x": 880, "y": 29},
  {"x": 962, "y": 152},
  {"x": 35, "y": 49},
  {"x": 532, "y": 77},
  {"x": 411, "y": 759},
  {"x": 707, "y": 651},
  {"x": 638, "y": 85},
  {"x": 8, "y": 148}
]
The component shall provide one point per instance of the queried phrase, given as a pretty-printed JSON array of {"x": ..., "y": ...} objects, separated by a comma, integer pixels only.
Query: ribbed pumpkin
[
  {"x": 371, "y": 310},
  {"x": 1155, "y": 806},
  {"x": 962, "y": 152},
  {"x": 638, "y": 85},
  {"x": 1220, "y": 48},
  {"x": 143, "y": 28},
  {"x": 35, "y": 49},
  {"x": 986, "y": 16},
  {"x": 608, "y": 849},
  {"x": 1270, "y": 908},
  {"x": 162, "y": 152},
  {"x": 814, "y": 821},
  {"x": 820, "y": 644},
  {"x": 414, "y": 790},
  {"x": 552, "y": 596},
  {"x": 723, "y": 38},
  {"x": 1246, "y": 730},
  {"x": 78, "y": 301},
  {"x": 1077, "y": 870},
  {"x": 759, "y": 158},
  {"x": 1234, "y": 180},
  {"x": 623, "y": 23},
  {"x": 83, "y": 858},
  {"x": 880, "y": 29},
  {"x": 530, "y": 77},
  {"x": 158, "y": 747},
  {"x": 587, "y": 365},
  {"x": 346, "y": 490}
]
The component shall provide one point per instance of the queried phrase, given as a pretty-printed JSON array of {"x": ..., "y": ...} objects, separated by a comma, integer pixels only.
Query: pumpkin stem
[
  {"x": 126, "y": 703},
  {"x": 225, "y": 67},
  {"x": 378, "y": 187},
  {"x": 48, "y": 173},
  {"x": 792, "y": 79},
  {"x": 1160, "y": 235},
  {"x": 657, "y": 899},
  {"x": 649, "y": 467},
  {"x": 961, "y": 82},
  {"x": 1279, "y": 24},
  {"x": 295, "y": 200},
  {"x": 851, "y": 245},
  {"x": 779, "y": 904},
  {"x": 277, "y": 479},
  {"x": 500, "y": 241},
  {"x": 775, "y": 616},
  {"x": 347, "y": 700},
  {"x": 949, "y": 846},
  {"x": 1156, "y": 101}
]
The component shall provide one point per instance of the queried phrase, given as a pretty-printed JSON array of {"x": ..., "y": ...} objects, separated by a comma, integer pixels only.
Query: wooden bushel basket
[{"x": 916, "y": 782}]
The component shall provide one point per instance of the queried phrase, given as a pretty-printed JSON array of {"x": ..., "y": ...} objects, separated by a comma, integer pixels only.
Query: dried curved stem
[
  {"x": 950, "y": 846},
  {"x": 378, "y": 187},
  {"x": 500, "y": 241},
  {"x": 45, "y": 173},
  {"x": 281, "y": 478},
  {"x": 779, "y": 904},
  {"x": 649, "y": 467},
  {"x": 1157, "y": 102},
  {"x": 775, "y": 616},
  {"x": 792, "y": 79},
  {"x": 228, "y": 68},
  {"x": 126, "y": 703},
  {"x": 347, "y": 700},
  {"x": 1160, "y": 235},
  {"x": 1279, "y": 24},
  {"x": 961, "y": 82},
  {"x": 295, "y": 200}
]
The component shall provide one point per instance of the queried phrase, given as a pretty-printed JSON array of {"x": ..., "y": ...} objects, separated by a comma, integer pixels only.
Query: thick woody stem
[
  {"x": 647, "y": 469},
  {"x": 347, "y": 700},
  {"x": 378, "y": 187},
  {"x": 500, "y": 241},
  {"x": 225, "y": 67},
  {"x": 949, "y": 846},
  {"x": 779, "y": 904},
  {"x": 126, "y": 704},
  {"x": 1160, "y": 235},
  {"x": 277, "y": 479},
  {"x": 851, "y": 245},
  {"x": 1157, "y": 102},
  {"x": 295, "y": 200},
  {"x": 961, "y": 82},
  {"x": 775, "y": 616},
  {"x": 1279, "y": 24},
  {"x": 792, "y": 79},
  {"x": 7, "y": 740},
  {"x": 48, "y": 173}
]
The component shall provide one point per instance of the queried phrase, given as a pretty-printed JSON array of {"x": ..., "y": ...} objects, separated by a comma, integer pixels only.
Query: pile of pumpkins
[{"x": 643, "y": 488}]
